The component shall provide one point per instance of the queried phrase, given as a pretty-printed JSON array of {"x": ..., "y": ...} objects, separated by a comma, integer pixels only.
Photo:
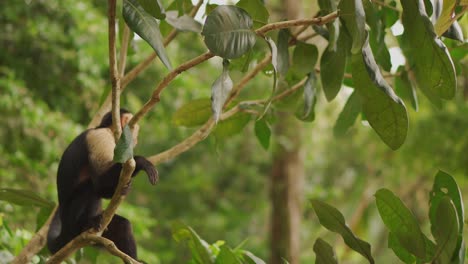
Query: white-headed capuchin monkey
[{"x": 86, "y": 174}]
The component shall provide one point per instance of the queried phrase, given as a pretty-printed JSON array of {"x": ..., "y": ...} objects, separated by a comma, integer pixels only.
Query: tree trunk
[{"x": 287, "y": 178}]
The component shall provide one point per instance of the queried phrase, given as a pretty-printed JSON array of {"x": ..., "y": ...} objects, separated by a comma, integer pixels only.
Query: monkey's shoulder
[{"x": 100, "y": 143}]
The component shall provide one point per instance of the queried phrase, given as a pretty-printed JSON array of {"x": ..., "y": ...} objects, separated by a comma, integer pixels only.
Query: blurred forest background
[{"x": 54, "y": 74}]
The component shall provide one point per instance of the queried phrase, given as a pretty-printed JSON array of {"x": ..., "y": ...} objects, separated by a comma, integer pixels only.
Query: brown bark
[{"x": 287, "y": 179}]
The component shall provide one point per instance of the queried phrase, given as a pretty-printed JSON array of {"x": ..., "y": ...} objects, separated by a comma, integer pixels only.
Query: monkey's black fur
[{"x": 82, "y": 183}]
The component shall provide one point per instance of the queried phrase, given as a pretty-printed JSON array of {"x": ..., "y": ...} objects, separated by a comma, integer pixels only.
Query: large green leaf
[
  {"x": 334, "y": 221},
  {"x": 283, "y": 51},
  {"x": 220, "y": 91},
  {"x": 24, "y": 198},
  {"x": 332, "y": 66},
  {"x": 124, "y": 149},
  {"x": 256, "y": 10},
  {"x": 399, "y": 250},
  {"x": 445, "y": 230},
  {"x": 427, "y": 55},
  {"x": 146, "y": 26},
  {"x": 401, "y": 222},
  {"x": 404, "y": 88},
  {"x": 231, "y": 126},
  {"x": 348, "y": 115},
  {"x": 385, "y": 112},
  {"x": 446, "y": 186},
  {"x": 226, "y": 256},
  {"x": 324, "y": 252},
  {"x": 354, "y": 19},
  {"x": 228, "y": 33},
  {"x": 201, "y": 251},
  {"x": 193, "y": 113}
]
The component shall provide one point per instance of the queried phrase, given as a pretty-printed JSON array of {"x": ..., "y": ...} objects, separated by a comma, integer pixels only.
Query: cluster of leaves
[{"x": 405, "y": 237}]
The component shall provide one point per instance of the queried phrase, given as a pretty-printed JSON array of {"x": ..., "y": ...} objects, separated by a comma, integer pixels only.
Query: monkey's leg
[{"x": 120, "y": 232}]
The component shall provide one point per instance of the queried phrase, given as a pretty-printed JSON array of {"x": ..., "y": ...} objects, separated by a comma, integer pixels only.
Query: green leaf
[
  {"x": 390, "y": 16},
  {"x": 182, "y": 6},
  {"x": 401, "y": 222},
  {"x": 445, "y": 230},
  {"x": 227, "y": 256},
  {"x": 427, "y": 55},
  {"x": 201, "y": 251},
  {"x": 334, "y": 221},
  {"x": 446, "y": 186},
  {"x": 274, "y": 62},
  {"x": 324, "y": 252},
  {"x": 377, "y": 34},
  {"x": 154, "y": 8},
  {"x": 354, "y": 19},
  {"x": 306, "y": 110},
  {"x": 24, "y": 198},
  {"x": 256, "y": 10},
  {"x": 446, "y": 18},
  {"x": 348, "y": 115},
  {"x": 183, "y": 23},
  {"x": 220, "y": 91},
  {"x": 250, "y": 258},
  {"x": 399, "y": 250},
  {"x": 193, "y": 113},
  {"x": 231, "y": 126},
  {"x": 263, "y": 133},
  {"x": 304, "y": 58},
  {"x": 124, "y": 149},
  {"x": 146, "y": 27},
  {"x": 405, "y": 89},
  {"x": 385, "y": 112},
  {"x": 283, "y": 51},
  {"x": 228, "y": 33},
  {"x": 332, "y": 66},
  {"x": 327, "y": 7}
]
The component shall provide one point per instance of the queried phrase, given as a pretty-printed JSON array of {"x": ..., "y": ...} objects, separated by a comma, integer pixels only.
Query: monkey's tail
[{"x": 53, "y": 242}]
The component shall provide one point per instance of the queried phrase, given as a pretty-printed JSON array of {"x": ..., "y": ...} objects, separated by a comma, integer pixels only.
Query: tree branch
[
  {"x": 114, "y": 75},
  {"x": 123, "y": 51}
]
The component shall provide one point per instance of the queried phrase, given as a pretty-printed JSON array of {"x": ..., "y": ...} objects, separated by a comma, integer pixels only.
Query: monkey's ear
[{"x": 125, "y": 118}]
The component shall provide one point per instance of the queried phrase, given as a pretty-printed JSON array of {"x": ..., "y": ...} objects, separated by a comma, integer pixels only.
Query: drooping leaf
[
  {"x": 146, "y": 26},
  {"x": 427, "y": 55},
  {"x": 455, "y": 32},
  {"x": 153, "y": 7},
  {"x": 399, "y": 250},
  {"x": 263, "y": 133},
  {"x": 304, "y": 58},
  {"x": 220, "y": 91},
  {"x": 377, "y": 34},
  {"x": 354, "y": 19},
  {"x": 324, "y": 252},
  {"x": 446, "y": 18},
  {"x": 405, "y": 89},
  {"x": 227, "y": 256},
  {"x": 332, "y": 66},
  {"x": 446, "y": 186},
  {"x": 124, "y": 148},
  {"x": 231, "y": 126},
  {"x": 201, "y": 251},
  {"x": 228, "y": 33},
  {"x": 193, "y": 113},
  {"x": 306, "y": 110},
  {"x": 445, "y": 230},
  {"x": 327, "y": 7},
  {"x": 348, "y": 115},
  {"x": 283, "y": 52},
  {"x": 385, "y": 112},
  {"x": 401, "y": 222},
  {"x": 24, "y": 198},
  {"x": 183, "y": 23},
  {"x": 274, "y": 62},
  {"x": 334, "y": 221},
  {"x": 256, "y": 10}
]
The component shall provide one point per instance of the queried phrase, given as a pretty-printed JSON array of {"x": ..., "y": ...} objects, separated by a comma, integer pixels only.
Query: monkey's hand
[{"x": 143, "y": 164}]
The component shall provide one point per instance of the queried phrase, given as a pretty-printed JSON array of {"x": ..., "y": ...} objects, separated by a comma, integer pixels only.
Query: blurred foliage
[{"x": 53, "y": 70}]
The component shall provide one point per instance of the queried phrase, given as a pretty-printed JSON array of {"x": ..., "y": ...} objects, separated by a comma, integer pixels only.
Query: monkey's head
[{"x": 125, "y": 117}]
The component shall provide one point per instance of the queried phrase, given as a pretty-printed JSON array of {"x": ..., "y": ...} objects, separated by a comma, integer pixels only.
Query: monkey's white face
[{"x": 124, "y": 121}]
